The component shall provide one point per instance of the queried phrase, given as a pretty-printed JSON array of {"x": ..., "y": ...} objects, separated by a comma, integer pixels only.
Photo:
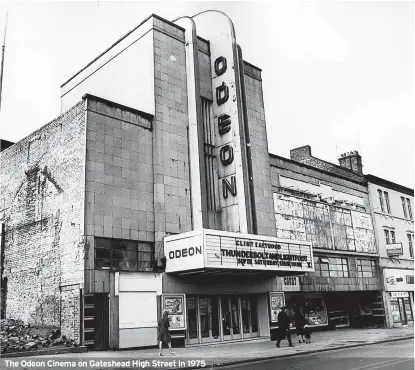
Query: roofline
[
  {"x": 320, "y": 170},
  {"x": 119, "y": 40},
  {"x": 251, "y": 65},
  {"x": 389, "y": 184},
  {"x": 145, "y": 115}
]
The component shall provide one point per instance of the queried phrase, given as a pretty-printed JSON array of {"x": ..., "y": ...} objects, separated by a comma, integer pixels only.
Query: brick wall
[
  {"x": 303, "y": 155},
  {"x": 170, "y": 135},
  {"x": 259, "y": 152},
  {"x": 41, "y": 205}
]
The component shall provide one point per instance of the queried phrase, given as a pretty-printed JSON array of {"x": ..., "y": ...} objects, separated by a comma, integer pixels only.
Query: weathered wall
[
  {"x": 259, "y": 151},
  {"x": 41, "y": 203},
  {"x": 119, "y": 181}
]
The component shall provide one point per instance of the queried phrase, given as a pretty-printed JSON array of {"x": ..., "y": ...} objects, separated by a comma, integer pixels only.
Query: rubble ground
[{"x": 18, "y": 337}]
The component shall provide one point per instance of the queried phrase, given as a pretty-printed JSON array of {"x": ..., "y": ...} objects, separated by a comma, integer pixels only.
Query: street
[{"x": 393, "y": 355}]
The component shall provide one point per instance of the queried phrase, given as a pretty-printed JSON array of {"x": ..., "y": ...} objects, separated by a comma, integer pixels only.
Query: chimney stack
[
  {"x": 301, "y": 153},
  {"x": 353, "y": 161}
]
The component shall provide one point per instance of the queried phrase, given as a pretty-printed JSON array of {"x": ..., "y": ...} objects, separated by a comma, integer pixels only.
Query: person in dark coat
[
  {"x": 300, "y": 321},
  {"x": 284, "y": 327},
  {"x": 164, "y": 332}
]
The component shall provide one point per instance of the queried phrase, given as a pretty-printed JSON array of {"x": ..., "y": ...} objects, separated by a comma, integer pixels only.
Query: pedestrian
[
  {"x": 283, "y": 327},
  {"x": 164, "y": 332},
  {"x": 300, "y": 321},
  {"x": 307, "y": 333}
]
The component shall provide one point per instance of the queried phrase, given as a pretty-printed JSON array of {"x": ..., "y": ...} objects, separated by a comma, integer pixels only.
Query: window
[
  {"x": 408, "y": 202},
  {"x": 409, "y": 279},
  {"x": 411, "y": 246},
  {"x": 331, "y": 267},
  {"x": 393, "y": 236},
  {"x": 123, "y": 255},
  {"x": 366, "y": 268},
  {"x": 404, "y": 207},
  {"x": 382, "y": 207},
  {"x": 386, "y": 236},
  {"x": 388, "y": 207}
]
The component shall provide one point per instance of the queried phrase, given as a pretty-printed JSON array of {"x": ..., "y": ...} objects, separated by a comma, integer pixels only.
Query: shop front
[
  {"x": 399, "y": 296},
  {"x": 226, "y": 280}
]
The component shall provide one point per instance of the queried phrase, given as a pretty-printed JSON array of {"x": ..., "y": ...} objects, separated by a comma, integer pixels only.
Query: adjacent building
[
  {"x": 392, "y": 209},
  {"x": 328, "y": 205}
]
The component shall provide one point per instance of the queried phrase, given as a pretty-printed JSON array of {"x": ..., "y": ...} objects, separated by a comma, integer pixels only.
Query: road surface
[{"x": 397, "y": 355}]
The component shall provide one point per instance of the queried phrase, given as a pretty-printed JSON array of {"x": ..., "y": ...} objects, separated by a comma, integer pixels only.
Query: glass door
[
  {"x": 249, "y": 317},
  {"x": 192, "y": 320},
  {"x": 236, "y": 317},
  {"x": 226, "y": 318},
  {"x": 209, "y": 319}
]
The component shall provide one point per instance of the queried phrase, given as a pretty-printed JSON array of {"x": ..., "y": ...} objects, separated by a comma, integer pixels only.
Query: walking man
[{"x": 284, "y": 327}]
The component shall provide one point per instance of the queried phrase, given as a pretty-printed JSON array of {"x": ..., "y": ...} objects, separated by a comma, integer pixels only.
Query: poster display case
[
  {"x": 276, "y": 301},
  {"x": 174, "y": 304}
]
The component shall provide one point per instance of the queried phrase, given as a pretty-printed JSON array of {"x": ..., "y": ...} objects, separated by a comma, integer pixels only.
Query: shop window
[
  {"x": 388, "y": 207},
  {"x": 408, "y": 309},
  {"x": 382, "y": 207},
  {"x": 366, "y": 268},
  {"x": 123, "y": 255},
  {"x": 404, "y": 207},
  {"x": 396, "y": 315}
]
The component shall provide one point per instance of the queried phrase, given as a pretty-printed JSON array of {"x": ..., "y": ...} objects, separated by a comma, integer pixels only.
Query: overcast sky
[{"x": 338, "y": 76}]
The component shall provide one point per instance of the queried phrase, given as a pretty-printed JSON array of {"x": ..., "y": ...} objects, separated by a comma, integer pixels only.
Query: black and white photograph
[{"x": 201, "y": 184}]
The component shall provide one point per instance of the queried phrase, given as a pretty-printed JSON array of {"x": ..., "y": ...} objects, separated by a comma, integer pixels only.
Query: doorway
[{"x": 216, "y": 318}]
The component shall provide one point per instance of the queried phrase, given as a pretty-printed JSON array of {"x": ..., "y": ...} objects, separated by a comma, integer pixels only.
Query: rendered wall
[
  {"x": 259, "y": 151},
  {"x": 124, "y": 74}
]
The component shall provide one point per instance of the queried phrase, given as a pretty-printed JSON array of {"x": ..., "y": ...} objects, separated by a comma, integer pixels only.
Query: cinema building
[{"x": 154, "y": 190}]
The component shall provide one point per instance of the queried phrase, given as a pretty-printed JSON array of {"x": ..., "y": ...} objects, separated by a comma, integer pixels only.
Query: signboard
[
  {"x": 399, "y": 294},
  {"x": 213, "y": 249},
  {"x": 174, "y": 304},
  {"x": 276, "y": 301},
  {"x": 184, "y": 252},
  {"x": 227, "y": 114},
  {"x": 398, "y": 280},
  {"x": 394, "y": 249},
  {"x": 290, "y": 283}
]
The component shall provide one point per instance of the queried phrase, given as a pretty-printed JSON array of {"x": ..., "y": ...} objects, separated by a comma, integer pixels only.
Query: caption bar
[{"x": 160, "y": 363}]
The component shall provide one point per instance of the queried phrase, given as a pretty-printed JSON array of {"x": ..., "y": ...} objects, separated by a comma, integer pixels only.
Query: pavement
[{"x": 242, "y": 352}]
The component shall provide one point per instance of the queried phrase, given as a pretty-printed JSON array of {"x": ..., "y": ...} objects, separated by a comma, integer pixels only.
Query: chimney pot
[{"x": 352, "y": 160}]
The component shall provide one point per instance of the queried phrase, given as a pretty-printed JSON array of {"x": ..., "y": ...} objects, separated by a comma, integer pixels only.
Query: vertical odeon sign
[{"x": 227, "y": 128}]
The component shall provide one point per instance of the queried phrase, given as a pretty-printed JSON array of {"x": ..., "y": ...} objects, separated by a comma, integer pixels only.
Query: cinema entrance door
[{"x": 217, "y": 318}]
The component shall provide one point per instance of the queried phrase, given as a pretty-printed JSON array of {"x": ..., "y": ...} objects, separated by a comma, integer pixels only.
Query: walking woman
[
  {"x": 164, "y": 332},
  {"x": 300, "y": 321}
]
